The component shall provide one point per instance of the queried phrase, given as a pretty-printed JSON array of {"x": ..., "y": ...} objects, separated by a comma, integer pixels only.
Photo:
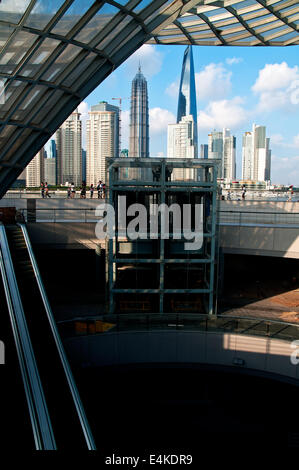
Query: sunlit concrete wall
[
  {"x": 251, "y": 353},
  {"x": 263, "y": 241}
]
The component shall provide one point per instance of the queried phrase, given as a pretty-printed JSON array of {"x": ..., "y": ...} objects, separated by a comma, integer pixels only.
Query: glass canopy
[{"x": 54, "y": 53}]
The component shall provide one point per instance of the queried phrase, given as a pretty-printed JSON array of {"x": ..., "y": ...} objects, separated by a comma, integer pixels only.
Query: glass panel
[
  {"x": 80, "y": 70},
  {"x": 13, "y": 10},
  {"x": 114, "y": 33},
  {"x": 39, "y": 57},
  {"x": 22, "y": 137},
  {"x": 73, "y": 14},
  {"x": 67, "y": 56},
  {"x": 97, "y": 23},
  {"x": 33, "y": 96},
  {"x": 15, "y": 51},
  {"x": 123, "y": 2},
  {"x": 42, "y": 13},
  {"x": 6, "y": 131},
  {"x": 141, "y": 5},
  {"x": 52, "y": 72},
  {"x": 5, "y": 33},
  {"x": 12, "y": 91},
  {"x": 44, "y": 114}
]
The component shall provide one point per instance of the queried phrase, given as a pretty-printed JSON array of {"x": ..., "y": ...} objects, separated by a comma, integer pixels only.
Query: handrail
[
  {"x": 39, "y": 415},
  {"x": 66, "y": 367},
  {"x": 123, "y": 322}
]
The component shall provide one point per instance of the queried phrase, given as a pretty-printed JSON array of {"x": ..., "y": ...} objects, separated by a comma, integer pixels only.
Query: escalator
[
  {"x": 16, "y": 432},
  {"x": 62, "y": 410}
]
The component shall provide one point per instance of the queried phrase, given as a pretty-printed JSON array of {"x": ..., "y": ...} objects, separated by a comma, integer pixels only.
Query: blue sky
[{"x": 236, "y": 86}]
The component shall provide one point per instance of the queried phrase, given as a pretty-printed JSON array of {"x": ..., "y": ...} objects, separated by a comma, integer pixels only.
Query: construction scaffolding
[{"x": 164, "y": 259}]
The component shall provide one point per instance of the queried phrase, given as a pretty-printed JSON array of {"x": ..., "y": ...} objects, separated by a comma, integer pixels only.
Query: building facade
[
  {"x": 180, "y": 144},
  {"x": 256, "y": 155},
  {"x": 69, "y": 150},
  {"x": 187, "y": 94},
  {"x": 204, "y": 151},
  {"x": 139, "y": 118},
  {"x": 102, "y": 140},
  {"x": 50, "y": 171},
  {"x": 222, "y": 146},
  {"x": 35, "y": 170}
]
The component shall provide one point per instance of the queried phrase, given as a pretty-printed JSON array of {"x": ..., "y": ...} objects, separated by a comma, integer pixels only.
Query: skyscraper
[
  {"x": 102, "y": 140},
  {"x": 204, "y": 150},
  {"x": 139, "y": 118},
  {"x": 187, "y": 94},
  {"x": 35, "y": 170},
  {"x": 222, "y": 146},
  {"x": 180, "y": 144},
  {"x": 69, "y": 150},
  {"x": 256, "y": 155},
  {"x": 50, "y": 163}
]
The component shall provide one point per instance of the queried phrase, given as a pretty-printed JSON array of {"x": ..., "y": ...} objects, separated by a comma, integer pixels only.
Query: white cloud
[
  {"x": 274, "y": 77},
  {"x": 213, "y": 82},
  {"x": 285, "y": 170},
  {"x": 277, "y": 139},
  {"x": 223, "y": 113},
  {"x": 159, "y": 120},
  {"x": 149, "y": 58},
  {"x": 173, "y": 89},
  {"x": 277, "y": 86},
  {"x": 233, "y": 60}
]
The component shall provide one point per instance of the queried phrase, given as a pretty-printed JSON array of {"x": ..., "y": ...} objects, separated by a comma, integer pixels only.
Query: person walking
[
  {"x": 69, "y": 192},
  {"x": 103, "y": 190},
  {"x": 42, "y": 189},
  {"x": 73, "y": 191},
  {"x": 91, "y": 189},
  {"x": 47, "y": 190},
  {"x": 99, "y": 189},
  {"x": 83, "y": 190}
]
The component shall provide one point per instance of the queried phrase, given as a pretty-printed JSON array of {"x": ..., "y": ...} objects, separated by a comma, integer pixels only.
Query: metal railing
[
  {"x": 56, "y": 215},
  {"x": 65, "y": 364},
  {"x": 37, "y": 406},
  {"x": 87, "y": 215},
  {"x": 105, "y": 324},
  {"x": 263, "y": 218}
]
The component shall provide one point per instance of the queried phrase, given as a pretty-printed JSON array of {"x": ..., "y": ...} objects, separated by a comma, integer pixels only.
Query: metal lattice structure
[
  {"x": 157, "y": 272},
  {"x": 54, "y": 53}
]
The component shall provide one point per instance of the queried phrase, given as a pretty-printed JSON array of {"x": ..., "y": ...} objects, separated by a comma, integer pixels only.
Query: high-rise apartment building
[
  {"x": 180, "y": 144},
  {"x": 187, "y": 94},
  {"x": 50, "y": 171},
  {"x": 102, "y": 140},
  {"x": 139, "y": 118},
  {"x": 35, "y": 170},
  {"x": 256, "y": 155},
  {"x": 69, "y": 150},
  {"x": 50, "y": 164},
  {"x": 222, "y": 146}
]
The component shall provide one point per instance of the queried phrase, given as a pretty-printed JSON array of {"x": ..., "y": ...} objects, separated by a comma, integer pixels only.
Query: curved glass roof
[{"x": 54, "y": 53}]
